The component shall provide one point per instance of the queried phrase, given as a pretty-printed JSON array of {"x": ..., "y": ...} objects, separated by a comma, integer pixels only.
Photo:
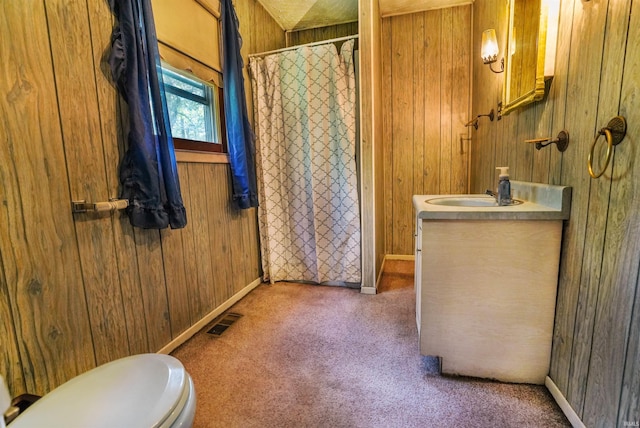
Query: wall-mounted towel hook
[
  {"x": 561, "y": 142},
  {"x": 113, "y": 205},
  {"x": 614, "y": 132},
  {"x": 474, "y": 122}
]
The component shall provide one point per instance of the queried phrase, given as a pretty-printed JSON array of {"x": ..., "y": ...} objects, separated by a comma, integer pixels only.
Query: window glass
[{"x": 194, "y": 111}]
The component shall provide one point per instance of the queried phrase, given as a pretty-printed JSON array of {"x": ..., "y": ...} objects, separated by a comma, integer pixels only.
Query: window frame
[{"x": 217, "y": 107}]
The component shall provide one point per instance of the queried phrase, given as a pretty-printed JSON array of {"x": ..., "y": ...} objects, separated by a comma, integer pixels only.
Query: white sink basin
[{"x": 467, "y": 201}]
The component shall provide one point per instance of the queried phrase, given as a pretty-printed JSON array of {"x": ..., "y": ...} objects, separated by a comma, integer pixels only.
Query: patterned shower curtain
[{"x": 305, "y": 125}]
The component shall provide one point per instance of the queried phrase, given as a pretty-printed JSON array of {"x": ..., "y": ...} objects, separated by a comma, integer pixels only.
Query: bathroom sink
[{"x": 467, "y": 201}]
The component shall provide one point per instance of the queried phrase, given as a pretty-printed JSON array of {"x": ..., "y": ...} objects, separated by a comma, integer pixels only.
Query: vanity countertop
[{"x": 539, "y": 202}]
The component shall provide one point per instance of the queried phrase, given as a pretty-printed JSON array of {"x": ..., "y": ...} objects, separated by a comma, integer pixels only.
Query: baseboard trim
[
  {"x": 191, "y": 331},
  {"x": 408, "y": 257},
  {"x": 568, "y": 411}
]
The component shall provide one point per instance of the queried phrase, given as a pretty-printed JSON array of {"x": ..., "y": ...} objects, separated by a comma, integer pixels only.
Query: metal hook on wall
[
  {"x": 562, "y": 142},
  {"x": 614, "y": 133},
  {"x": 474, "y": 122}
]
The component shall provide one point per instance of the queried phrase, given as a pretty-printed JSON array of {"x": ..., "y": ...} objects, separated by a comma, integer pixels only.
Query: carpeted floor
[{"x": 316, "y": 356}]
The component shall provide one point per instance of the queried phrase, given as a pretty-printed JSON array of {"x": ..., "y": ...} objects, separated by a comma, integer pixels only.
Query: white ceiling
[{"x": 302, "y": 14}]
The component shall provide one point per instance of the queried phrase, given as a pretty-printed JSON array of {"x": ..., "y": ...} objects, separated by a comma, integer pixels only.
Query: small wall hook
[
  {"x": 474, "y": 122},
  {"x": 561, "y": 142}
]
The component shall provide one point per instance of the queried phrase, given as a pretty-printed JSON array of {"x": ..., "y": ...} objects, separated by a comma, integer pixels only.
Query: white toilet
[{"x": 147, "y": 390}]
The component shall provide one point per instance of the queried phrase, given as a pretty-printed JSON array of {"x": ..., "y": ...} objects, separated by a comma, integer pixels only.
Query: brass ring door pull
[{"x": 614, "y": 133}]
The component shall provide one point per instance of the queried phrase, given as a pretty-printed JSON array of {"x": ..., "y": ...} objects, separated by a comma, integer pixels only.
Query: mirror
[{"x": 530, "y": 51}]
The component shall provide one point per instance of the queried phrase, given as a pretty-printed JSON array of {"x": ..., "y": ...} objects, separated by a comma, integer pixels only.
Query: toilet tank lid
[{"x": 141, "y": 390}]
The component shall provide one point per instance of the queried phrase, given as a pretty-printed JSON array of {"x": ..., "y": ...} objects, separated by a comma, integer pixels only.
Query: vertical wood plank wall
[
  {"x": 302, "y": 37},
  {"x": 80, "y": 290},
  {"x": 426, "y": 93},
  {"x": 596, "y": 347}
]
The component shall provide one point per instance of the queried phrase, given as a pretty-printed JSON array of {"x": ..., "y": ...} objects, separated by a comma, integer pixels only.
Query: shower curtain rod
[{"x": 339, "y": 39}]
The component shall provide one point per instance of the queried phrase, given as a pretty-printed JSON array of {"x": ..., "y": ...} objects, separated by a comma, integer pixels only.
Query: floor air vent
[{"x": 224, "y": 323}]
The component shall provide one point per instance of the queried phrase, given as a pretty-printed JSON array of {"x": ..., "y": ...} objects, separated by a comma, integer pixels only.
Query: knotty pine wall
[
  {"x": 427, "y": 101},
  {"x": 596, "y": 346},
  {"x": 80, "y": 290}
]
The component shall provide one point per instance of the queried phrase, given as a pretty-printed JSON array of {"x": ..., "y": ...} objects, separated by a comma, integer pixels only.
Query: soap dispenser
[{"x": 504, "y": 186}]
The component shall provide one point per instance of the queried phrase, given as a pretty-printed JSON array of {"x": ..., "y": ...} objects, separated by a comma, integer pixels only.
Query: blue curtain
[
  {"x": 240, "y": 139},
  {"x": 148, "y": 172}
]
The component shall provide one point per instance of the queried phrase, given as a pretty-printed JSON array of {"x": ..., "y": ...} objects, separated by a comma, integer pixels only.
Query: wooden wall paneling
[
  {"x": 619, "y": 254},
  {"x": 189, "y": 248},
  {"x": 460, "y": 98},
  {"x": 249, "y": 263},
  {"x": 573, "y": 242},
  {"x": 565, "y": 313},
  {"x": 629, "y": 409},
  {"x": 295, "y": 38},
  {"x": 624, "y": 202},
  {"x": 10, "y": 363},
  {"x": 426, "y": 72},
  {"x": 223, "y": 198},
  {"x": 503, "y": 129},
  {"x": 419, "y": 87},
  {"x": 237, "y": 249},
  {"x": 204, "y": 292},
  {"x": 583, "y": 91},
  {"x": 301, "y": 37},
  {"x": 154, "y": 288},
  {"x": 387, "y": 130},
  {"x": 276, "y": 34},
  {"x": 113, "y": 120},
  {"x": 512, "y": 151},
  {"x": 261, "y": 44},
  {"x": 402, "y": 105},
  {"x": 488, "y": 133},
  {"x": 446, "y": 62},
  {"x": 543, "y": 128},
  {"x": 39, "y": 253},
  {"x": 521, "y": 169},
  {"x": 251, "y": 244},
  {"x": 433, "y": 117},
  {"x": 558, "y": 89},
  {"x": 329, "y": 32},
  {"x": 217, "y": 203},
  {"x": 484, "y": 145},
  {"x": 479, "y": 21},
  {"x": 175, "y": 274},
  {"x": 80, "y": 120},
  {"x": 505, "y": 147}
]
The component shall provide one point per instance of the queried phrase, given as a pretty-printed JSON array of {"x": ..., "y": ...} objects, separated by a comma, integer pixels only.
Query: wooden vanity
[{"x": 486, "y": 281}]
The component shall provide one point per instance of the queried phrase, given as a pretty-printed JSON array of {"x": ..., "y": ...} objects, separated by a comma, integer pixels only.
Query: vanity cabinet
[{"x": 486, "y": 282}]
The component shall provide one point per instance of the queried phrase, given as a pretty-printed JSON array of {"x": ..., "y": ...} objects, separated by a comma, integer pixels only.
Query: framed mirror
[{"x": 530, "y": 51}]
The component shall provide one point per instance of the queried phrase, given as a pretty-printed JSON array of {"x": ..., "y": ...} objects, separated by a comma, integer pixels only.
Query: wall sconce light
[{"x": 489, "y": 51}]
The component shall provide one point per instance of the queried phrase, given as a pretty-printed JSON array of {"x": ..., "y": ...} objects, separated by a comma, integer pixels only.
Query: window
[{"x": 195, "y": 112}]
